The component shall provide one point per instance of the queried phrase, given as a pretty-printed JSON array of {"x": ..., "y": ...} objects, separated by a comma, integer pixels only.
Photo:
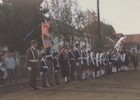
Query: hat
[
  {"x": 71, "y": 47},
  {"x": 66, "y": 47},
  {"x": 77, "y": 44},
  {"x": 63, "y": 47},
  {"x": 34, "y": 42},
  {"x": 84, "y": 46}
]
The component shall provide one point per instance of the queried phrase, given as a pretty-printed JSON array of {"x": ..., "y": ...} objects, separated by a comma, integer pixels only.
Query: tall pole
[{"x": 99, "y": 28}]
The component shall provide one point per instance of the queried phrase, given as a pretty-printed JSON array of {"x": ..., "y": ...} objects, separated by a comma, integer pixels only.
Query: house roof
[{"x": 135, "y": 38}]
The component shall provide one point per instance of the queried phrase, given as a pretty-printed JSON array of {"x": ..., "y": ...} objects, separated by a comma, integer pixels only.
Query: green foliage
[
  {"x": 106, "y": 30},
  {"x": 69, "y": 22},
  {"x": 17, "y": 18}
]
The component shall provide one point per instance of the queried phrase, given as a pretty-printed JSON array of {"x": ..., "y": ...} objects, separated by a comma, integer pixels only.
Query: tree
[
  {"x": 64, "y": 12},
  {"x": 69, "y": 22},
  {"x": 106, "y": 30},
  {"x": 18, "y": 18}
]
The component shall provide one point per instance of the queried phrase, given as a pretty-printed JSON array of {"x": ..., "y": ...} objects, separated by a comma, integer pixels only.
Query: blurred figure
[
  {"x": 134, "y": 59},
  {"x": 72, "y": 62},
  {"x": 108, "y": 62},
  {"x": 2, "y": 71},
  {"x": 33, "y": 63},
  {"x": 64, "y": 64},
  {"x": 98, "y": 65},
  {"x": 77, "y": 54},
  {"x": 44, "y": 71},
  {"x": 10, "y": 65},
  {"x": 56, "y": 69},
  {"x": 125, "y": 61},
  {"x": 84, "y": 62},
  {"x": 93, "y": 62},
  {"x": 50, "y": 61},
  {"x": 88, "y": 64},
  {"x": 102, "y": 62}
]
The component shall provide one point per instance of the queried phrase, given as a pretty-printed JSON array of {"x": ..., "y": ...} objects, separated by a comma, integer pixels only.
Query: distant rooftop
[{"x": 135, "y": 38}]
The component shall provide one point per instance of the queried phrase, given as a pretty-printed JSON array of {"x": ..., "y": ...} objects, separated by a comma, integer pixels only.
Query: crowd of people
[
  {"x": 75, "y": 63},
  {"x": 7, "y": 67}
]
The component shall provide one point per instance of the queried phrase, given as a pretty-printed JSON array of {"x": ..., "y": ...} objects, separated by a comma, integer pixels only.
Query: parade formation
[
  {"x": 75, "y": 62},
  {"x": 72, "y": 62}
]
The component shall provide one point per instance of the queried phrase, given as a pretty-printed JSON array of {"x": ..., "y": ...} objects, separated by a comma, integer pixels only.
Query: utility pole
[{"x": 99, "y": 28}]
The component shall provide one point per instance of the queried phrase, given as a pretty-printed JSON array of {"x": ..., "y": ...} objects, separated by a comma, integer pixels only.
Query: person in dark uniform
[
  {"x": 64, "y": 64},
  {"x": 97, "y": 68},
  {"x": 102, "y": 62},
  {"x": 50, "y": 62},
  {"x": 72, "y": 62},
  {"x": 33, "y": 63},
  {"x": 127, "y": 60},
  {"x": 115, "y": 61},
  {"x": 93, "y": 62},
  {"x": 108, "y": 68},
  {"x": 134, "y": 59},
  {"x": 44, "y": 71},
  {"x": 84, "y": 62},
  {"x": 56, "y": 69},
  {"x": 77, "y": 54}
]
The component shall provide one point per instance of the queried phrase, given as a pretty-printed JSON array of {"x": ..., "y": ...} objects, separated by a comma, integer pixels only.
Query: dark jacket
[{"x": 43, "y": 65}]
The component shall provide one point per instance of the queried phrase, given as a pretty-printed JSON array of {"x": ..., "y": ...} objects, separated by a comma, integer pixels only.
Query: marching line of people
[{"x": 75, "y": 63}]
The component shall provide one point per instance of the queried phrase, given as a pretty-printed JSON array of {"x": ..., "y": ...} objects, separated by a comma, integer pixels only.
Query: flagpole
[{"x": 99, "y": 27}]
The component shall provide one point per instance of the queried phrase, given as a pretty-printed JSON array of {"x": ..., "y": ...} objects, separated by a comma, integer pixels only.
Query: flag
[
  {"x": 119, "y": 45},
  {"x": 45, "y": 28},
  {"x": 110, "y": 39},
  {"x": 46, "y": 41}
]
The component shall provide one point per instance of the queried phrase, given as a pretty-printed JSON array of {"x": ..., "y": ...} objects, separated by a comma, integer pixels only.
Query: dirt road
[{"x": 120, "y": 86}]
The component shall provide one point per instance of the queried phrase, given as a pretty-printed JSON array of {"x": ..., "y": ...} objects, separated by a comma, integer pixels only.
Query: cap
[
  {"x": 77, "y": 44},
  {"x": 84, "y": 46},
  {"x": 34, "y": 42},
  {"x": 71, "y": 47},
  {"x": 66, "y": 47},
  {"x": 62, "y": 47}
]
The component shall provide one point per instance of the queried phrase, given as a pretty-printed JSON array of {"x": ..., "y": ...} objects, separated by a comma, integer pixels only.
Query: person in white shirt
[
  {"x": 97, "y": 71},
  {"x": 10, "y": 65},
  {"x": 93, "y": 62}
]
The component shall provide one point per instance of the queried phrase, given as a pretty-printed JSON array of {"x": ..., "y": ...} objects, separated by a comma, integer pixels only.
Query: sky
[
  {"x": 0, "y": 1},
  {"x": 124, "y": 15}
]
